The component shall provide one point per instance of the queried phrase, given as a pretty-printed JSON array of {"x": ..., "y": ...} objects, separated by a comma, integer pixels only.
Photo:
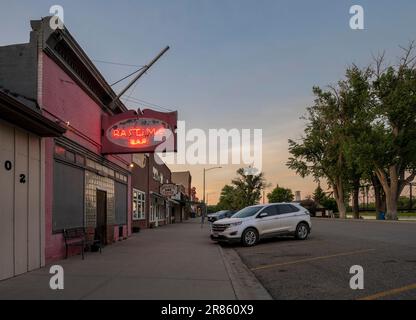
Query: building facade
[
  {"x": 22, "y": 193},
  {"x": 150, "y": 207},
  {"x": 82, "y": 187},
  {"x": 184, "y": 178}
]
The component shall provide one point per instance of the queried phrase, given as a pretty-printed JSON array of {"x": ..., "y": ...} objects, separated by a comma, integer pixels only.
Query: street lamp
[{"x": 205, "y": 170}]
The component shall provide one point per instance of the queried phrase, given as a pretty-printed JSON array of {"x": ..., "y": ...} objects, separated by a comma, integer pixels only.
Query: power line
[
  {"x": 153, "y": 104},
  {"x": 148, "y": 105},
  {"x": 117, "y": 63},
  {"x": 143, "y": 102}
]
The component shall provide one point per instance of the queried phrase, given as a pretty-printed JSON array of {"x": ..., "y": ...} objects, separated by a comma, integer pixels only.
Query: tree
[
  {"x": 394, "y": 153},
  {"x": 280, "y": 195},
  {"x": 212, "y": 209},
  {"x": 319, "y": 195},
  {"x": 248, "y": 187},
  {"x": 356, "y": 121},
  {"x": 319, "y": 152},
  {"x": 229, "y": 199}
]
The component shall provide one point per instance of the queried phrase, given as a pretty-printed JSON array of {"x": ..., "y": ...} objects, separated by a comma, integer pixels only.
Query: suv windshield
[{"x": 247, "y": 212}]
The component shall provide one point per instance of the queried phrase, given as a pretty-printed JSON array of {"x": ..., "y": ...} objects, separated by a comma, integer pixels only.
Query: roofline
[
  {"x": 64, "y": 35},
  {"x": 19, "y": 114}
]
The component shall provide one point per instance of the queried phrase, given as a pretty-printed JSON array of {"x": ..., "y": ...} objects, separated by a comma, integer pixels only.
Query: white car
[{"x": 251, "y": 224}]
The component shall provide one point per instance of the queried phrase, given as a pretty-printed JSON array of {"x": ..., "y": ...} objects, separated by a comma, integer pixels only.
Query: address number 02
[{"x": 9, "y": 166}]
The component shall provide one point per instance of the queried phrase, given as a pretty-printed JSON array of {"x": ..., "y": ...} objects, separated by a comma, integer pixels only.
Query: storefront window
[
  {"x": 90, "y": 163},
  {"x": 80, "y": 160},
  {"x": 70, "y": 156},
  {"x": 138, "y": 205},
  {"x": 59, "y": 151}
]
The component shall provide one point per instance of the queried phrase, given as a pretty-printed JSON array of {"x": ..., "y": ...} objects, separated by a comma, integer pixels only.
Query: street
[
  {"x": 318, "y": 268},
  {"x": 180, "y": 262}
]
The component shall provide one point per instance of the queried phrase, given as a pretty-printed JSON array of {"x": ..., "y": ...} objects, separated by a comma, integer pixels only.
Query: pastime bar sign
[{"x": 139, "y": 132}]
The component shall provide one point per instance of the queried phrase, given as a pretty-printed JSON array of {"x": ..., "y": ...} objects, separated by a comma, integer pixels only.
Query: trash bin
[{"x": 381, "y": 215}]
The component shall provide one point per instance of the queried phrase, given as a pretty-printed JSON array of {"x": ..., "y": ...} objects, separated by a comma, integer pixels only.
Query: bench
[{"x": 77, "y": 237}]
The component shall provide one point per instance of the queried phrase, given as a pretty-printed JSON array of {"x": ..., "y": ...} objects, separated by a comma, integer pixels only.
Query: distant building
[
  {"x": 184, "y": 178},
  {"x": 298, "y": 196}
]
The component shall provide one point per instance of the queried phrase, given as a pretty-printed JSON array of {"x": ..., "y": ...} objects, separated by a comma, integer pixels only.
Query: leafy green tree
[
  {"x": 212, "y": 209},
  {"x": 389, "y": 145},
  {"x": 320, "y": 152},
  {"x": 394, "y": 154},
  {"x": 356, "y": 119},
  {"x": 248, "y": 187},
  {"x": 280, "y": 195},
  {"x": 329, "y": 204},
  {"x": 319, "y": 195},
  {"x": 229, "y": 199}
]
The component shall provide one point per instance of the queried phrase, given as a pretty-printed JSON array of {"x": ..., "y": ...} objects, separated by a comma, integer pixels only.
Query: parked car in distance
[
  {"x": 223, "y": 214},
  {"x": 251, "y": 224}
]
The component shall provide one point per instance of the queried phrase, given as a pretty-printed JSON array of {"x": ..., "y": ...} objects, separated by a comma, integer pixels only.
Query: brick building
[
  {"x": 150, "y": 208},
  {"x": 81, "y": 186}
]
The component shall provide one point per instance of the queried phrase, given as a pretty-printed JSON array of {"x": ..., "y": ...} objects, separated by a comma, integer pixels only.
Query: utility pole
[
  {"x": 203, "y": 187},
  {"x": 141, "y": 73}
]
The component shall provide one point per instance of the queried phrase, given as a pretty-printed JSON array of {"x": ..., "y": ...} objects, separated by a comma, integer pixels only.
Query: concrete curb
[
  {"x": 366, "y": 220},
  {"x": 245, "y": 284}
]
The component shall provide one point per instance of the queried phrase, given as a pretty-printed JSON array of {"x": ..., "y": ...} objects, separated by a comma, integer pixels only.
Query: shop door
[
  {"x": 21, "y": 246},
  {"x": 102, "y": 216}
]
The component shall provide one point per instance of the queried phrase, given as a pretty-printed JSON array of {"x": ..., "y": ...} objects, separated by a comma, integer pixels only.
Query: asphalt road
[{"x": 318, "y": 268}]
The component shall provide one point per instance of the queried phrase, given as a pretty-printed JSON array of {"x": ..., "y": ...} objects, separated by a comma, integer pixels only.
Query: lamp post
[{"x": 205, "y": 170}]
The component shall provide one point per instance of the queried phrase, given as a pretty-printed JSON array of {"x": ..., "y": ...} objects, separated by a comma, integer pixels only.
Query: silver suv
[{"x": 251, "y": 224}]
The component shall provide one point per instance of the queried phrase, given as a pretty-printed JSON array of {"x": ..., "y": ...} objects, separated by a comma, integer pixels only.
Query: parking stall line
[
  {"x": 390, "y": 292},
  {"x": 312, "y": 259}
]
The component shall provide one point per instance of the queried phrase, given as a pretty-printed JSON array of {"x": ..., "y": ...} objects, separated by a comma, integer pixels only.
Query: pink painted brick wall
[{"x": 67, "y": 101}]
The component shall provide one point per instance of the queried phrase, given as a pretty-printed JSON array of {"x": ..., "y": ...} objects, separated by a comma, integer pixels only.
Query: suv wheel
[
  {"x": 302, "y": 231},
  {"x": 250, "y": 237}
]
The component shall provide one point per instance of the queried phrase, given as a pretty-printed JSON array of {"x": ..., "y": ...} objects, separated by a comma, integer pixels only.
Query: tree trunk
[
  {"x": 339, "y": 198},
  {"x": 379, "y": 195},
  {"x": 391, "y": 204},
  {"x": 391, "y": 189},
  {"x": 355, "y": 199}
]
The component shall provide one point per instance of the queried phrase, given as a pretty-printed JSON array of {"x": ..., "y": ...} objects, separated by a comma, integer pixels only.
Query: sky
[{"x": 232, "y": 63}]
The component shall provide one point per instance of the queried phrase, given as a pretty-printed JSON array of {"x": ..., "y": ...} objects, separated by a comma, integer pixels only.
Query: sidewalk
[{"x": 172, "y": 262}]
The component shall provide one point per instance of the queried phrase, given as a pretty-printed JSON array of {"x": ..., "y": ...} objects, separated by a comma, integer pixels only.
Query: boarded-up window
[
  {"x": 68, "y": 197},
  {"x": 121, "y": 203}
]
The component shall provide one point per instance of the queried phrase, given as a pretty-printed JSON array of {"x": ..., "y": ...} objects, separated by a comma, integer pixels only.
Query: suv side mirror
[{"x": 262, "y": 215}]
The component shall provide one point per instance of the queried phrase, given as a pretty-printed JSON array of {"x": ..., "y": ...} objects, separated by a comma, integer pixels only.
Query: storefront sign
[
  {"x": 168, "y": 189},
  {"x": 139, "y": 132}
]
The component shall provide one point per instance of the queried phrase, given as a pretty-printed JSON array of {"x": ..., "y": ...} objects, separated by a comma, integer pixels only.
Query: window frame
[{"x": 140, "y": 201}]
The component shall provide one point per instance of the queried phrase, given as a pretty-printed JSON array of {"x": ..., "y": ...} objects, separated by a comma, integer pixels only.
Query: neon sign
[
  {"x": 138, "y": 132},
  {"x": 134, "y": 133}
]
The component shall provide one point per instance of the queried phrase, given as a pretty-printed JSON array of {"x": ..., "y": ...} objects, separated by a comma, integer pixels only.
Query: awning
[
  {"x": 16, "y": 112},
  {"x": 174, "y": 201},
  {"x": 157, "y": 195},
  {"x": 159, "y": 198}
]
